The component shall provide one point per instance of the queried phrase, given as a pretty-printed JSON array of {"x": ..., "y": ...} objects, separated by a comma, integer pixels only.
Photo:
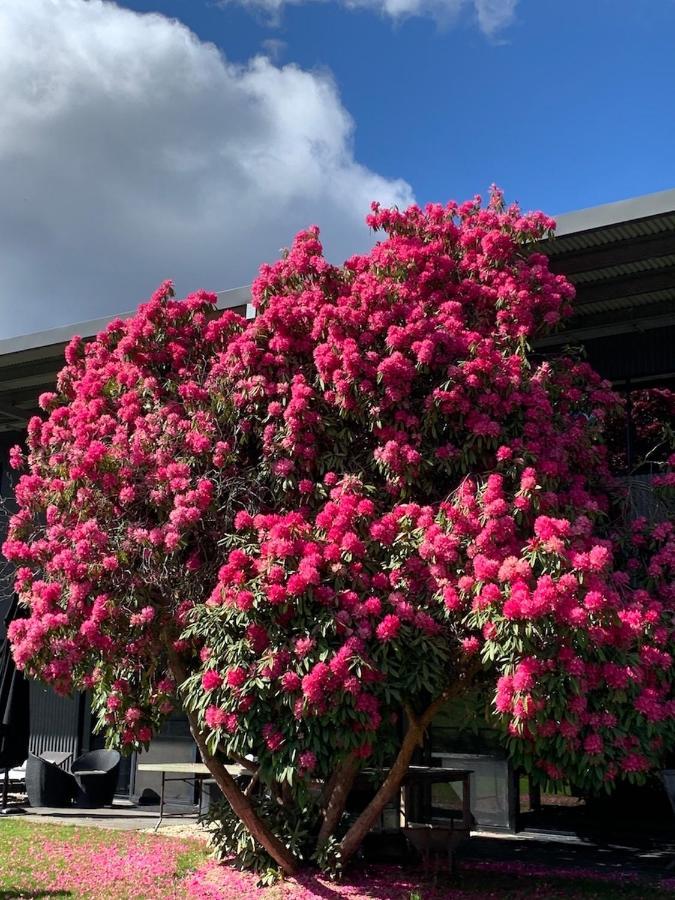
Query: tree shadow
[
  {"x": 34, "y": 895},
  {"x": 374, "y": 882}
]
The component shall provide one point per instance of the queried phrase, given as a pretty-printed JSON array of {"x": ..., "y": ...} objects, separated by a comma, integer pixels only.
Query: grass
[
  {"x": 61, "y": 862},
  {"x": 189, "y": 860}
]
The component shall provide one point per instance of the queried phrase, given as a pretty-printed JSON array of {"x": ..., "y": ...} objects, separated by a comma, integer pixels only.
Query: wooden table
[
  {"x": 427, "y": 837},
  {"x": 190, "y": 773},
  {"x": 427, "y": 775},
  {"x": 420, "y": 776}
]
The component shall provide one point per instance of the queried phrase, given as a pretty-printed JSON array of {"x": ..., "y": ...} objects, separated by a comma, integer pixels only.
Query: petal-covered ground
[
  {"x": 474, "y": 881},
  {"x": 59, "y": 862},
  {"x": 63, "y": 861}
]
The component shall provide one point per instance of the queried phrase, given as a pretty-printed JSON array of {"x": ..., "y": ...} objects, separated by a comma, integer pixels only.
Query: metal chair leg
[{"x": 161, "y": 804}]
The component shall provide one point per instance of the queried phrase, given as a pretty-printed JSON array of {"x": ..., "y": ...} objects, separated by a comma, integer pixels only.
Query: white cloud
[
  {"x": 495, "y": 15},
  {"x": 131, "y": 152},
  {"x": 492, "y": 16},
  {"x": 444, "y": 11}
]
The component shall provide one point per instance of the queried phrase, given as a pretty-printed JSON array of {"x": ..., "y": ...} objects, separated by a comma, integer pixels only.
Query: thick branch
[
  {"x": 240, "y": 803},
  {"x": 250, "y": 787},
  {"x": 336, "y": 795}
]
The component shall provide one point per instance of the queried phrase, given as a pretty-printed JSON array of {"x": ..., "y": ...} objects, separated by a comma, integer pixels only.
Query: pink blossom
[
  {"x": 211, "y": 680},
  {"x": 388, "y": 628}
]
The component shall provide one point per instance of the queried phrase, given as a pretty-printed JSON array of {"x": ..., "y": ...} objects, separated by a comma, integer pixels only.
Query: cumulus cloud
[
  {"x": 131, "y": 152},
  {"x": 491, "y": 16}
]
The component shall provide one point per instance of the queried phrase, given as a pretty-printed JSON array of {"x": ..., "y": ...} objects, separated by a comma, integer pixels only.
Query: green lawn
[{"x": 59, "y": 862}]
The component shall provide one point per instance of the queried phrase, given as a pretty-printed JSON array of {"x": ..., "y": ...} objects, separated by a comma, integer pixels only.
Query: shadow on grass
[{"x": 33, "y": 895}]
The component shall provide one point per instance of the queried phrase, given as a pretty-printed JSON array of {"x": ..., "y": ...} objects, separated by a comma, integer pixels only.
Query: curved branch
[{"x": 240, "y": 803}]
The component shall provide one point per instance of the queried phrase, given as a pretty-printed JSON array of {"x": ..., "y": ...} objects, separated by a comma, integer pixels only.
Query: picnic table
[{"x": 190, "y": 773}]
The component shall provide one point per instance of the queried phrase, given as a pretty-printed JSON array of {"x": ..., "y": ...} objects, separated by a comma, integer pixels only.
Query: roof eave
[
  {"x": 45, "y": 342},
  {"x": 644, "y": 207}
]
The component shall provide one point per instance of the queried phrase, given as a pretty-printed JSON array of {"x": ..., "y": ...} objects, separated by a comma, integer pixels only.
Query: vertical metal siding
[{"x": 54, "y": 722}]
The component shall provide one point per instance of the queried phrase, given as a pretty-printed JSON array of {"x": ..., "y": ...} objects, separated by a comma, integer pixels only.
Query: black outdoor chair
[
  {"x": 96, "y": 776},
  {"x": 48, "y": 784}
]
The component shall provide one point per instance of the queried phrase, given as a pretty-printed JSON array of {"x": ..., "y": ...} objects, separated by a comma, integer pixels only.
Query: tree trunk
[
  {"x": 240, "y": 803},
  {"x": 413, "y": 738},
  {"x": 352, "y": 840},
  {"x": 338, "y": 792}
]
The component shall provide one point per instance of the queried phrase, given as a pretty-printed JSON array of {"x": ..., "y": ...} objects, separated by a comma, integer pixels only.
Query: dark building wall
[
  {"x": 640, "y": 357},
  {"x": 7, "y": 480}
]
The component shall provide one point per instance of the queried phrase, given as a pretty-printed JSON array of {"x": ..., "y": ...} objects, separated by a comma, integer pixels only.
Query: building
[{"x": 621, "y": 257}]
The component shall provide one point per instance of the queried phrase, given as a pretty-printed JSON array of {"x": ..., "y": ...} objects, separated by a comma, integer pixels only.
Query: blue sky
[
  {"x": 191, "y": 139},
  {"x": 569, "y": 106}
]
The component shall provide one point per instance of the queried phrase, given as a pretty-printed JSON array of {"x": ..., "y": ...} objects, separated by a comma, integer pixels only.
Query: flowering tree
[{"x": 312, "y": 529}]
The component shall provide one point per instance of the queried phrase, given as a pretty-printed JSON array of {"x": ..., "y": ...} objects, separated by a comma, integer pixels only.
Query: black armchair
[
  {"x": 47, "y": 784},
  {"x": 96, "y": 776}
]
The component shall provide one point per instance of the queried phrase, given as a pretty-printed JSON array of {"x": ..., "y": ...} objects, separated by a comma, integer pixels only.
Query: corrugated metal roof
[
  {"x": 624, "y": 271},
  {"x": 631, "y": 268},
  {"x": 625, "y": 302},
  {"x": 601, "y": 237}
]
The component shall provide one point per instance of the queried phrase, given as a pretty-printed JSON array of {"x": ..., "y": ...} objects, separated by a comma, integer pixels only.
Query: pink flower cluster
[{"x": 342, "y": 506}]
